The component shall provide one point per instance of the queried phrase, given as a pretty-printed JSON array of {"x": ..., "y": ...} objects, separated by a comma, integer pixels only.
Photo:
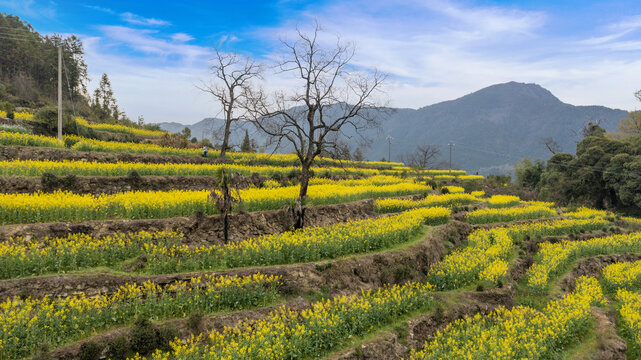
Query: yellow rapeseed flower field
[
  {"x": 26, "y": 323},
  {"x": 66, "y": 206},
  {"x": 23, "y": 115},
  {"x": 396, "y": 205},
  {"x": 553, "y": 258},
  {"x": 89, "y": 168},
  {"x": 308, "y": 244},
  {"x": 289, "y": 334},
  {"x": 519, "y": 333},
  {"x": 115, "y": 128},
  {"x": 487, "y": 246},
  {"x": 494, "y": 215},
  {"x": 629, "y": 311},
  {"x": 501, "y": 201}
]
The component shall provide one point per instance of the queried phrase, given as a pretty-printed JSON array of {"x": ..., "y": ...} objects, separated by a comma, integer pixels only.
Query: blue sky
[{"x": 156, "y": 52}]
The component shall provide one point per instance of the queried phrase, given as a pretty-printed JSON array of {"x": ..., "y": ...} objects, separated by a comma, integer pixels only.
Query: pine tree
[
  {"x": 246, "y": 145},
  {"x": 104, "y": 100}
]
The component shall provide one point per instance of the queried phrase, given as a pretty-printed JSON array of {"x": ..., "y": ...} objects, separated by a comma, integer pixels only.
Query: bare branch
[
  {"x": 551, "y": 145},
  {"x": 424, "y": 157},
  {"x": 313, "y": 116},
  {"x": 232, "y": 78}
]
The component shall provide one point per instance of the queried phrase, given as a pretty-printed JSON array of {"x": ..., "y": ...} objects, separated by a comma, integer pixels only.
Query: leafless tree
[
  {"x": 423, "y": 157},
  {"x": 551, "y": 145},
  {"x": 586, "y": 129},
  {"x": 330, "y": 99},
  {"x": 638, "y": 95},
  {"x": 232, "y": 76}
]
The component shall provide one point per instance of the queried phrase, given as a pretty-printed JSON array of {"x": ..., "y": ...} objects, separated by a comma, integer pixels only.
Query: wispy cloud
[
  {"x": 181, "y": 37},
  {"x": 139, "y": 20},
  {"x": 433, "y": 50},
  {"x": 30, "y": 8},
  {"x": 150, "y": 42},
  {"x": 99, "y": 8}
]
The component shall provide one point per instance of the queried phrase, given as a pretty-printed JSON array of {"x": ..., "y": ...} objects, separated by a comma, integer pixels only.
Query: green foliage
[
  {"x": 498, "y": 180},
  {"x": 603, "y": 174},
  {"x": 6, "y": 106},
  {"x": 246, "y": 145},
  {"x": 186, "y": 132},
  {"x": 48, "y": 115},
  {"x": 528, "y": 173},
  {"x": 195, "y": 322},
  {"x": 29, "y": 62},
  {"x": 144, "y": 337},
  {"x": 90, "y": 351},
  {"x": 206, "y": 142},
  {"x": 118, "y": 348},
  {"x": 14, "y": 128}
]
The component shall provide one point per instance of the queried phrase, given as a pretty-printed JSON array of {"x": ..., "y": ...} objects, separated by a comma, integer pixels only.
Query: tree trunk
[
  {"x": 225, "y": 144},
  {"x": 299, "y": 210},
  {"x": 226, "y": 227}
]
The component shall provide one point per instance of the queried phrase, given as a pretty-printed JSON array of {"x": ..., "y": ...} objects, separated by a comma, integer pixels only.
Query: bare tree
[
  {"x": 423, "y": 157},
  {"x": 226, "y": 192},
  {"x": 330, "y": 98},
  {"x": 638, "y": 95},
  {"x": 551, "y": 145},
  {"x": 232, "y": 76}
]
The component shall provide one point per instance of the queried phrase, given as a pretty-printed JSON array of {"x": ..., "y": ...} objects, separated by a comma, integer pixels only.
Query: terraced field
[{"x": 391, "y": 263}]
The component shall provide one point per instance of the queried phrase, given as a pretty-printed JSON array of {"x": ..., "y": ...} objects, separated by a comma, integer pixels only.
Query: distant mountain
[{"x": 492, "y": 128}]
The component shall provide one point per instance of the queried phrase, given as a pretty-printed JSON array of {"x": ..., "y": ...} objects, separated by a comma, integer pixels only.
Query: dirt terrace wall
[
  {"x": 97, "y": 185},
  {"x": 343, "y": 276},
  {"x": 202, "y": 229}
]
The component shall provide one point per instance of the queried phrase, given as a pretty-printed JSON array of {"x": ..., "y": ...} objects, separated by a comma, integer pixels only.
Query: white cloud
[
  {"x": 149, "y": 42},
  {"x": 441, "y": 50},
  {"x": 181, "y": 37},
  {"x": 139, "y": 20},
  {"x": 30, "y": 8},
  {"x": 99, "y": 8},
  {"x": 433, "y": 50}
]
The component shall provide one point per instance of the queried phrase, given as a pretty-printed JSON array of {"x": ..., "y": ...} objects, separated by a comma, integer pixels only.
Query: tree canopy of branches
[
  {"x": 29, "y": 63},
  {"x": 423, "y": 157},
  {"x": 329, "y": 98},
  {"x": 551, "y": 144},
  {"x": 232, "y": 77}
]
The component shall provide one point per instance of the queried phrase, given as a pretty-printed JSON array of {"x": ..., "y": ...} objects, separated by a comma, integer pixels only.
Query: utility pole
[
  {"x": 60, "y": 92},
  {"x": 389, "y": 148},
  {"x": 451, "y": 144}
]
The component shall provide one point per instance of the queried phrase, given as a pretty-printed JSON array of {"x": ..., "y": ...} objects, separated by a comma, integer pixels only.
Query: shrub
[
  {"x": 166, "y": 334},
  {"x": 49, "y": 116},
  {"x": 144, "y": 337},
  {"x": 195, "y": 322},
  {"x": 118, "y": 348},
  {"x": 90, "y": 351}
]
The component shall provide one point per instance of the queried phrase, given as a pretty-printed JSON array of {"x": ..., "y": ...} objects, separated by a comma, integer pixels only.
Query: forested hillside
[{"x": 29, "y": 64}]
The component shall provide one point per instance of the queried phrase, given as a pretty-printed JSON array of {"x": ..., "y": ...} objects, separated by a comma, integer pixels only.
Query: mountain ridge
[{"x": 492, "y": 128}]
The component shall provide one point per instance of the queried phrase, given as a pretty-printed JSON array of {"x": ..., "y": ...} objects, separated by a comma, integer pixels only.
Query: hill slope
[{"x": 492, "y": 128}]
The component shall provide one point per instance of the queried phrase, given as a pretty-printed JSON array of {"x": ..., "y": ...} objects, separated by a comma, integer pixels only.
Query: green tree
[
  {"x": 630, "y": 125},
  {"x": 104, "y": 102},
  {"x": 186, "y": 132},
  {"x": 528, "y": 173},
  {"x": 29, "y": 64},
  {"x": 246, "y": 145}
]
